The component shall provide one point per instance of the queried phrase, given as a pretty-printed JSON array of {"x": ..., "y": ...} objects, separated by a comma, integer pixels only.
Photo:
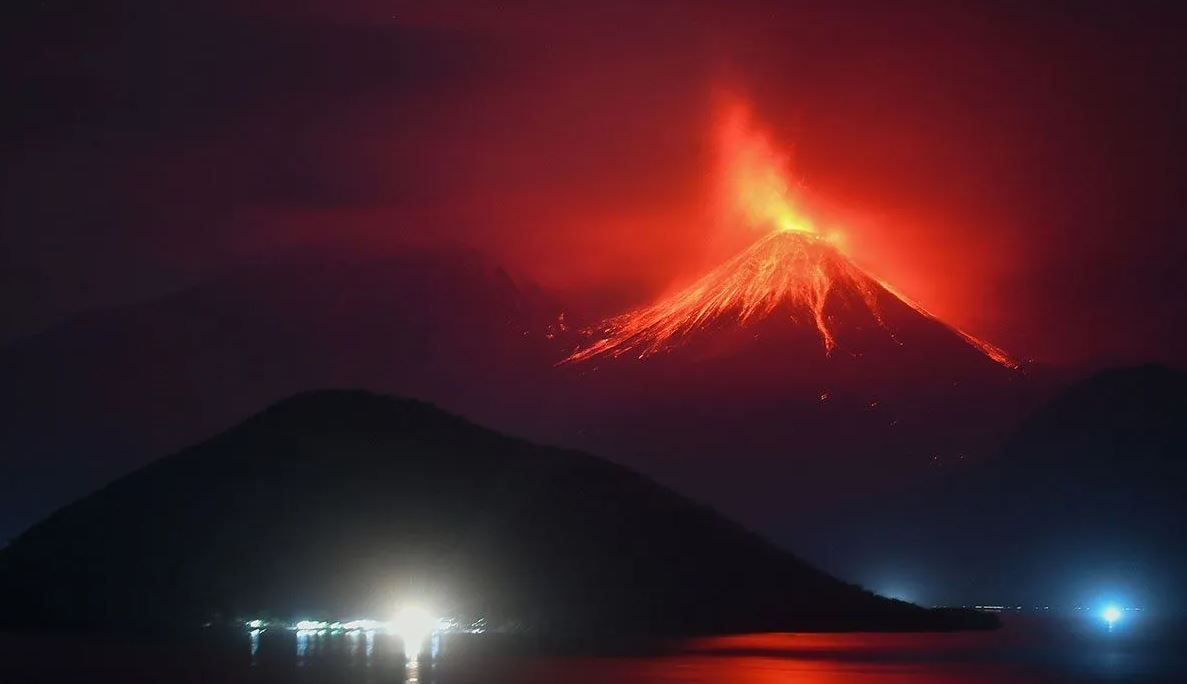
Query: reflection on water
[
  {"x": 412, "y": 671},
  {"x": 1019, "y": 653},
  {"x": 302, "y": 646},
  {"x": 338, "y": 656},
  {"x": 255, "y": 644}
]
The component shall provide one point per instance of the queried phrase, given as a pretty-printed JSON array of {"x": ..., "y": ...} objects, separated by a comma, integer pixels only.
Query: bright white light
[
  {"x": 1111, "y": 614},
  {"x": 413, "y": 624},
  {"x": 255, "y": 624},
  {"x": 310, "y": 625},
  {"x": 363, "y": 625}
]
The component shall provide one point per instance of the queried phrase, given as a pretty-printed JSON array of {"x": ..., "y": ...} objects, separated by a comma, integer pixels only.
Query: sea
[{"x": 1026, "y": 649}]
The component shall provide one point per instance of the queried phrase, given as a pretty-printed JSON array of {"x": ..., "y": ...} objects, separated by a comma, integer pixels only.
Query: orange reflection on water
[{"x": 799, "y": 658}]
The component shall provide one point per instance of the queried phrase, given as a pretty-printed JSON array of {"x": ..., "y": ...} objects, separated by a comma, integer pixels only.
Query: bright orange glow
[
  {"x": 755, "y": 177},
  {"x": 793, "y": 269},
  {"x": 785, "y": 267}
]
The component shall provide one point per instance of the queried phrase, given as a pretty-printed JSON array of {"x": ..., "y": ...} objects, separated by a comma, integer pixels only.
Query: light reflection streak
[
  {"x": 303, "y": 636},
  {"x": 255, "y": 645}
]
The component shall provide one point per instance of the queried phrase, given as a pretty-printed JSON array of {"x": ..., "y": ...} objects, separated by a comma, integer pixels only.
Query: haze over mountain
[
  {"x": 340, "y": 503},
  {"x": 786, "y": 368},
  {"x": 738, "y": 414},
  {"x": 100, "y": 394}
]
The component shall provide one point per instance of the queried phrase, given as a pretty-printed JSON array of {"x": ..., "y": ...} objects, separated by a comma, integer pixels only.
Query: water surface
[{"x": 1024, "y": 651}]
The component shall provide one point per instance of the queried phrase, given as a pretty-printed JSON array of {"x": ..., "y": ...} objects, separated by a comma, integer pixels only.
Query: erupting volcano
[
  {"x": 793, "y": 271},
  {"x": 788, "y": 273}
]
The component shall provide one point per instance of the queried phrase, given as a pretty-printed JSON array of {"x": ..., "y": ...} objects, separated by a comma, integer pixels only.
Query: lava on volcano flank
[{"x": 788, "y": 272}]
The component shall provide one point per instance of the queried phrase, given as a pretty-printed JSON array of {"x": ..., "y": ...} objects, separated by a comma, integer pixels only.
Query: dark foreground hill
[
  {"x": 109, "y": 390},
  {"x": 340, "y": 503}
]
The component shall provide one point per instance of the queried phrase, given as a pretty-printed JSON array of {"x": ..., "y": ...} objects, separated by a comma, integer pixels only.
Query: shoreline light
[{"x": 414, "y": 624}]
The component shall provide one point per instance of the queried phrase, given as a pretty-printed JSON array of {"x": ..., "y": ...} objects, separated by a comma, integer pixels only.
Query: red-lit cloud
[{"x": 993, "y": 163}]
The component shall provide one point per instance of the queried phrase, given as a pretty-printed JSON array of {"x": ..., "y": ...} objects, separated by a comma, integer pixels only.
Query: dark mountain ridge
[
  {"x": 1085, "y": 497},
  {"x": 123, "y": 385},
  {"x": 342, "y": 502}
]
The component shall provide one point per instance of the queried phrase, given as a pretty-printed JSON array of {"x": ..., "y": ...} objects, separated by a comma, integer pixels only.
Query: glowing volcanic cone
[
  {"x": 787, "y": 273},
  {"x": 793, "y": 271}
]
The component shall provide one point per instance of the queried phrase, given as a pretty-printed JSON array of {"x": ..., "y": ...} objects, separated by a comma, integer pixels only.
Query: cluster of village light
[
  {"x": 1110, "y": 613},
  {"x": 412, "y": 625}
]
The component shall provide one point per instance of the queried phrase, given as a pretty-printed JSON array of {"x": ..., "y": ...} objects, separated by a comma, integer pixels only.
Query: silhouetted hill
[
  {"x": 340, "y": 502},
  {"x": 1120, "y": 420},
  {"x": 104, "y": 392},
  {"x": 1085, "y": 499},
  {"x": 1094, "y": 483}
]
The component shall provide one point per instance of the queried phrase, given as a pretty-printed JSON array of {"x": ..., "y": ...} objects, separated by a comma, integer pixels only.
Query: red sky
[{"x": 1019, "y": 170}]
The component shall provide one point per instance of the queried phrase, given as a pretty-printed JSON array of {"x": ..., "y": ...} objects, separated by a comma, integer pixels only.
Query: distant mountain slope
[
  {"x": 1103, "y": 467},
  {"x": 335, "y": 502},
  {"x": 1121, "y": 419},
  {"x": 1085, "y": 499},
  {"x": 100, "y": 394}
]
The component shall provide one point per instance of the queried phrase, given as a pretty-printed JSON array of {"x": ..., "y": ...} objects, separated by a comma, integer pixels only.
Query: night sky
[{"x": 1017, "y": 167}]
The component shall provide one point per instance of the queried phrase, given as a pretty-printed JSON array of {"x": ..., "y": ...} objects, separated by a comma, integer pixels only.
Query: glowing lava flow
[
  {"x": 785, "y": 267},
  {"x": 790, "y": 269}
]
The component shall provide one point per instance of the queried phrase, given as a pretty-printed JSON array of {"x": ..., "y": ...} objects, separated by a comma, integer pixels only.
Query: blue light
[{"x": 1111, "y": 614}]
